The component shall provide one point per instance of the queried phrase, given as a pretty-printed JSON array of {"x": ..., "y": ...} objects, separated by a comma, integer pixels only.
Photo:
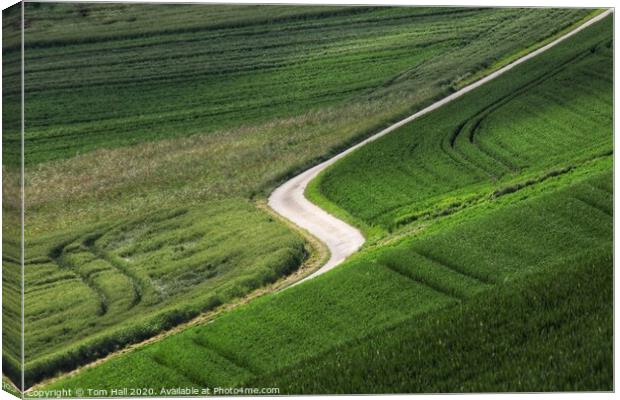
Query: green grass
[
  {"x": 515, "y": 56},
  {"x": 11, "y": 312},
  {"x": 11, "y": 216},
  {"x": 503, "y": 284},
  {"x": 137, "y": 113},
  {"x": 549, "y": 332},
  {"x": 529, "y": 271},
  {"x": 238, "y": 65},
  {"x": 90, "y": 293},
  {"x": 545, "y": 117},
  {"x": 261, "y": 337},
  {"x": 10, "y": 388}
]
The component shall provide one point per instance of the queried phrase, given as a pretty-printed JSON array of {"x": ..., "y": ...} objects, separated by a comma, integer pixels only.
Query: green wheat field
[{"x": 153, "y": 135}]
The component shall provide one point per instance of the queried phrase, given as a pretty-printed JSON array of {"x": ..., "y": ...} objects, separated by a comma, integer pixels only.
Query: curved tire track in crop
[
  {"x": 466, "y": 132},
  {"x": 57, "y": 255},
  {"x": 136, "y": 284},
  {"x": 341, "y": 238}
]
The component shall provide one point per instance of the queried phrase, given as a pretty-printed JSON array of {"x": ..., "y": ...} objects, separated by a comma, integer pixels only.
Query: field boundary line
[
  {"x": 326, "y": 254},
  {"x": 342, "y": 239},
  {"x": 318, "y": 253}
]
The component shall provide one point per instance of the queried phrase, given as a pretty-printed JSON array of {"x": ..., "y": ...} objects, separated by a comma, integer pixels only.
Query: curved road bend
[{"x": 342, "y": 239}]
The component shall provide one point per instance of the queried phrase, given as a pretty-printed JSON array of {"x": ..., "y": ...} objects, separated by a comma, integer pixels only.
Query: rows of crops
[
  {"x": 555, "y": 112},
  {"x": 513, "y": 338},
  {"x": 237, "y": 98},
  {"x": 391, "y": 297},
  {"x": 206, "y": 75},
  {"x": 11, "y": 210},
  {"x": 90, "y": 293},
  {"x": 505, "y": 283}
]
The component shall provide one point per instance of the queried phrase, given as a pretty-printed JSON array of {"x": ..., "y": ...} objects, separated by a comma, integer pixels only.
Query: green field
[
  {"x": 98, "y": 291},
  {"x": 151, "y": 132},
  {"x": 11, "y": 214},
  {"x": 118, "y": 80},
  {"x": 506, "y": 295},
  {"x": 553, "y": 116},
  {"x": 489, "y": 266}
]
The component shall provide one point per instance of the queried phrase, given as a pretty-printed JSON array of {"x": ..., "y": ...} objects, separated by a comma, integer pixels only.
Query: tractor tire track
[{"x": 342, "y": 239}]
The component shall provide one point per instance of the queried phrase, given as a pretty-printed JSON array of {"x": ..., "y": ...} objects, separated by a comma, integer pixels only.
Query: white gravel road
[{"x": 342, "y": 239}]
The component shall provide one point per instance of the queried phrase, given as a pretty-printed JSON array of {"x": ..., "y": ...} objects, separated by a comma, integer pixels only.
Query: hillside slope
[
  {"x": 552, "y": 115},
  {"x": 151, "y": 131},
  {"x": 500, "y": 282}
]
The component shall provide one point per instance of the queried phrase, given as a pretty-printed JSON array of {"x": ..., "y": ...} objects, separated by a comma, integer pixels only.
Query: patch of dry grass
[{"x": 108, "y": 183}]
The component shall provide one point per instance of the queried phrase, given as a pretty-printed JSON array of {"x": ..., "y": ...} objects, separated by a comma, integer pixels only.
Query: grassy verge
[{"x": 313, "y": 193}]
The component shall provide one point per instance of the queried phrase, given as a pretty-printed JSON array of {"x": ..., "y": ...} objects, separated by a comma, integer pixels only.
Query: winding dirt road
[{"x": 342, "y": 239}]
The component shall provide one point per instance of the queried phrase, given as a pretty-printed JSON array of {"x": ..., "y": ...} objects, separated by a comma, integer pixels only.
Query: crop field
[
  {"x": 500, "y": 341},
  {"x": 554, "y": 114},
  {"x": 90, "y": 293},
  {"x": 151, "y": 131},
  {"x": 494, "y": 276},
  {"x": 495, "y": 281},
  {"x": 213, "y": 68},
  {"x": 11, "y": 209}
]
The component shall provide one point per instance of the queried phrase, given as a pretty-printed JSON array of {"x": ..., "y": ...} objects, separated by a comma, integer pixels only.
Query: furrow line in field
[{"x": 341, "y": 238}]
